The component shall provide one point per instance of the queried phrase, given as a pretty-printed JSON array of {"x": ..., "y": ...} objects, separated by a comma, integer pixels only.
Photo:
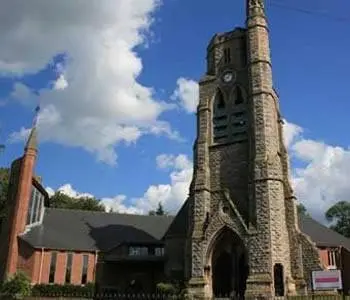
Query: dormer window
[
  {"x": 138, "y": 251},
  {"x": 332, "y": 258},
  {"x": 159, "y": 251},
  {"x": 36, "y": 206}
]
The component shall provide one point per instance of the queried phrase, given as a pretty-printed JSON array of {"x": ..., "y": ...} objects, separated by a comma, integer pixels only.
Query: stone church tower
[{"x": 242, "y": 230}]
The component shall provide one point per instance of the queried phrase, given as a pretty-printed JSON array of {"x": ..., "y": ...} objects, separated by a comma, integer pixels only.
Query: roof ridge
[
  {"x": 109, "y": 213},
  {"x": 335, "y": 233}
]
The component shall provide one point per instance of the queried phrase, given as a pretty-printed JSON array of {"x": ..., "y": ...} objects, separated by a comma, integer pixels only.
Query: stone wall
[
  {"x": 311, "y": 258},
  {"x": 229, "y": 170}
]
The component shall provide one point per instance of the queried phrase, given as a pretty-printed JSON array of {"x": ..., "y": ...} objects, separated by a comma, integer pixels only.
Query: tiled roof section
[
  {"x": 180, "y": 225},
  {"x": 322, "y": 235},
  {"x": 90, "y": 231}
]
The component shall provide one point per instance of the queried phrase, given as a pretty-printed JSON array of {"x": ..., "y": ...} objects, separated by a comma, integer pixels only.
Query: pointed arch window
[
  {"x": 239, "y": 117},
  {"x": 238, "y": 95},
  {"x": 220, "y": 118},
  {"x": 219, "y": 100}
]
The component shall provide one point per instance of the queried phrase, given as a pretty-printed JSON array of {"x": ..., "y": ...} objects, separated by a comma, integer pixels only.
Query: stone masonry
[{"x": 241, "y": 169}]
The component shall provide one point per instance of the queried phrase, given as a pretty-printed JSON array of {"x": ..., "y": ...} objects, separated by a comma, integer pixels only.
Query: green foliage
[
  {"x": 60, "y": 200},
  {"x": 49, "y": 290},
  {"x": 302, "y": 209},
  {"x": 4, "y": 183},
  {"x": 17, "y": 286},
  {"x": 174, "y": 287},
  {"x": 166, "y": 288},
  {"x": 339, "y": 215},
  {"x": 159, "y": 211}
]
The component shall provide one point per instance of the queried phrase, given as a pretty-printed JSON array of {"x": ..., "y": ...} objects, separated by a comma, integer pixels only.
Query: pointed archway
[{"x": 229, "y": 266}]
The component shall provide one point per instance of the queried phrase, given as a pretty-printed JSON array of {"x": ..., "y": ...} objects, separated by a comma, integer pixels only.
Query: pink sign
[{"x": 327, "y": 280}]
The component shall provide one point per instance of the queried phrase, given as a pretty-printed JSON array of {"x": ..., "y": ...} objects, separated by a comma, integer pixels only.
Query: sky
[{"x": 116, "y": 81}]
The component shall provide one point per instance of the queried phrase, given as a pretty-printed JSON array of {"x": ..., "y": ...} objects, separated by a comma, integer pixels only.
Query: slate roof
[
  {"x": 90, "y": 231},
  {"x": 322, "y": 235}
]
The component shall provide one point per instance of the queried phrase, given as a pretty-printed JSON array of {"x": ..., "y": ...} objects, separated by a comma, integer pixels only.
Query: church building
[{"x": 237, "y": 233}]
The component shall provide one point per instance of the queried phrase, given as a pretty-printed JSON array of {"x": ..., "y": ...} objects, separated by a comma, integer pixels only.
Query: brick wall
[
  {"x": 76, "y": 271},
  {"x": 27, "y": 259}
]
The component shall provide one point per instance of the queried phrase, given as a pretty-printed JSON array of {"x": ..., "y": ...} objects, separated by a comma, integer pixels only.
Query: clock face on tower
[{"x": 228, "y": 76}]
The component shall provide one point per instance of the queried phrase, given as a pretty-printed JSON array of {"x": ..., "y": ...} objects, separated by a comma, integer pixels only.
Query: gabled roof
[
  {"x": 91, "y": 231},
  {"x": 321, "y": 235}
]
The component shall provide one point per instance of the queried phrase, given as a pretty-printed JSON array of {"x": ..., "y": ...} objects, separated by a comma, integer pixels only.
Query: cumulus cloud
[
  {"x": 187, "y": 94},
  {"x": 22, "y": 94},
  {"x": 323, "y": 179},
  {"x": 68, "y": 190},
  {"x": 96, "y": 101},
  {"x": 171, "y": 195},
  {"x": 290, "y": 132}
]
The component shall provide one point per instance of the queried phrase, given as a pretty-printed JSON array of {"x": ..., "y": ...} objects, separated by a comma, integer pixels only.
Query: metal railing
[{"x": 157, "y": 296}]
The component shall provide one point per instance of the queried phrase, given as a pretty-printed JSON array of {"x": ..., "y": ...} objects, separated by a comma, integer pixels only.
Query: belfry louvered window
[
  {"x": 227, "y": 55},
  {"x": 220, "y": 118},
  {"x": 239, "y": 114}
]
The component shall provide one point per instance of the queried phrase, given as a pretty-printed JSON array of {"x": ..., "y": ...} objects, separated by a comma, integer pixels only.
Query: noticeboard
[{"x": 327, "y": 280}]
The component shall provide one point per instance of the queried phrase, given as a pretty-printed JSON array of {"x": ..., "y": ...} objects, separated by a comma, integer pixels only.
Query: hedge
[{"x": 50, "y": 290}]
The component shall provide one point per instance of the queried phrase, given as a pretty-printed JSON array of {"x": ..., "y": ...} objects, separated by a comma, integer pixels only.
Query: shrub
[
  {"x": 62, "y": 290},
  {"x": 166, "y": 288},
  {"x": 16, "y": 286}
]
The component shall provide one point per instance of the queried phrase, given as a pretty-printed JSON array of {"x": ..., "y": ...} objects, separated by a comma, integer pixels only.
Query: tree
[
  {"x": 61, "y": 200},
  {"x": 17, "y": 286},
  {"x": 339, "y": 215},
  {"x": 4, "y": 183},
  {"x": 302, "y": 209},
  {"x": 159, "y": 211}
]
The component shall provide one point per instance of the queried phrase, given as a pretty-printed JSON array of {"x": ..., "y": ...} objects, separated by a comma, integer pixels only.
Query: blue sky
[{"x": 69, "y": 62}]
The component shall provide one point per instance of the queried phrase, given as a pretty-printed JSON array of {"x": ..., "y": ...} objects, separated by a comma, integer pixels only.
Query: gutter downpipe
[
  {"x": 41, "y": 265},
  {"x": 96, "y": 289},
  {"x": 95, "y": 266}
]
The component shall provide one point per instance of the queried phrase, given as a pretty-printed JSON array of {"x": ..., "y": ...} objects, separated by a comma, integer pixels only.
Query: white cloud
[
  {"x": 68, "y": 190},
  {"x": 96, "y": 101},
  {"x": 187, "y": 93},
  {"x": 323, "y": 179},
  {"x": 171, "y": 195},
  {"x": 22, "y": 93},
  {"x": 118, "y": 204},
  {"x": 60, "y": 83},
  {"x": 291, "y": 132}
]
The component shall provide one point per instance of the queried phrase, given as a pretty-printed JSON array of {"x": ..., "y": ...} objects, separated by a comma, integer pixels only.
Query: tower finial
[
  {"x": 32, "y": 142},
  {"x": 253, "y": 6}
]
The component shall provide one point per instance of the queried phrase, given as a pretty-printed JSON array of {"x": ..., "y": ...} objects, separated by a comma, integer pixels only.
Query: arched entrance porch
[{"x": 228, "y": 263}]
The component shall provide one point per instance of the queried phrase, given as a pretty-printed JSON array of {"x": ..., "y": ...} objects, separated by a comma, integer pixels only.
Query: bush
[
  {"x": 166, "y": 288},
  {"x": 47, "y": 290},
  {"x": 16, "y": 286}
]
